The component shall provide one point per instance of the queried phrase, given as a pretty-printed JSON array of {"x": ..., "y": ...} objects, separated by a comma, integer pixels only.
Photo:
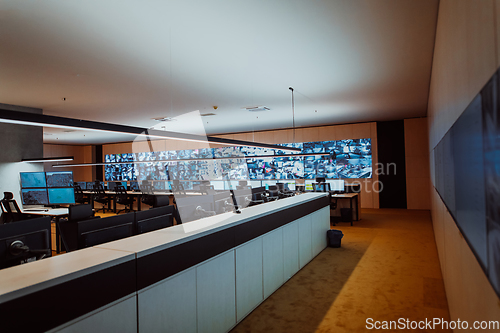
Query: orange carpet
[{"x": 387, "y": 269}]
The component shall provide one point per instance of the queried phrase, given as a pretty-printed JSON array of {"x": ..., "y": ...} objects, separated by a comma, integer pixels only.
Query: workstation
[{"x": 180, "y": 173}]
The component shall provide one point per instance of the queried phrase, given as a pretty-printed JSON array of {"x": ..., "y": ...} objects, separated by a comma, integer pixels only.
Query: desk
[
  {"x": 209, "y": 273},
  {"x": 352, "y": 197},
  {"x": 56, "y": 213}
]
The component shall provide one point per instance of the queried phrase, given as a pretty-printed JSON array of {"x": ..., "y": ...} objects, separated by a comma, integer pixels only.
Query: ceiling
[{"x": 127, "y": 61}]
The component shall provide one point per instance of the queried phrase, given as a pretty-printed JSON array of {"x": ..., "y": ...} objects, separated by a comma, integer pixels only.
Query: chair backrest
[
  {"x": 78, "y": 193},
  {"x": 121, "y": 192},
  {"x": 79, "y": 213},
  {"x": 161, "y": 201},
  {"x": 10, "y": 208}
]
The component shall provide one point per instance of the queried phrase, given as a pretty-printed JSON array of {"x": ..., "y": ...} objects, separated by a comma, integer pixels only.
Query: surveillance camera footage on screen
[{"x": 345, "y": 159}]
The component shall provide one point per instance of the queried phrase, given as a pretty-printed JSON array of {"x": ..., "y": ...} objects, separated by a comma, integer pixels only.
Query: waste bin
[{"x": 334, "y": 237}]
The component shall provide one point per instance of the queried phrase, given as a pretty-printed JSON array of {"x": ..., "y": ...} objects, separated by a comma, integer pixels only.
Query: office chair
[
  {"x": 123, "y": 198},
  {"x": 147, "y": 196},
  {"x": 160, "y": 201},
  {"x": 10, "y": 209},
  {"x": 101, "y": 197},
  {"x": 80, "y": 197},
  {"x": 284, "y": 193},
  {"x": 68, "y": 227}
]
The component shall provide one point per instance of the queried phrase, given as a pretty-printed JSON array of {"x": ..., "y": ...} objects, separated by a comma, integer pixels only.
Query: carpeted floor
[{"x": 387, "y": 269}]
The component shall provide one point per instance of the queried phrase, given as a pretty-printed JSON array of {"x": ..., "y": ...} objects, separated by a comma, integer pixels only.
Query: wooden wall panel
[{"x": 466, "y": 55}]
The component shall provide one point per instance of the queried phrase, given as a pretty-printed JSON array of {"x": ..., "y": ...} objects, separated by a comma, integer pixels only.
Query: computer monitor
[
  {"x": 309, "y": 185},
  {"x": 154, "y": 219},
  {"x": 90, "y": 186},
  {"x": 98, "y": 231},
  {"x": 83, "y": 185},
  {"x": 267, "y": 183},
  {"x": 231, "y": 184},
  {"x": 35, "y": 196},
  {"x": 336, "y": 185},
  {"x": 59, "y": 179},
  {"x": 290, "y": 186},
  {"x": 61, "y": 196},
  {"x": 112, "y": 185},
  {"x": 217, "y": 184},
  {"x": 255, "y": 183},
  {"x": 134, "y": 186},
  {"x": 160, "y": 185},
  {"x": 32, "y": 233},
  {"x": 33, "y": 179}
]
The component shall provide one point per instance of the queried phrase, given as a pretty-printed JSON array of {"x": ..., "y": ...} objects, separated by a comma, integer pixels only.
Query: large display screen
[{"x": 345, "y": 159}]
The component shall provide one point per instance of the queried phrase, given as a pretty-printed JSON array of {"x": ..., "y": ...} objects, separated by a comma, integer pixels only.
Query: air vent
[
  {"x": 207, "y": 114},
  {"x": 163, "y": 119},
  {"x": 256, "y": 108}
]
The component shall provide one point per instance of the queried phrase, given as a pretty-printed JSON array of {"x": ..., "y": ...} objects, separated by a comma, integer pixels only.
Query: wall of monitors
[
  {"x": 345, "y": 159},
  {"x": 467, "y": 177}
]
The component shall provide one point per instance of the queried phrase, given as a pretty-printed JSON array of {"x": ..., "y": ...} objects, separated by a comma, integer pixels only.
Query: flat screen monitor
[
  {"x": 231, "y": 185},
  {"x": 33, "y": 233},
  {"x": 290, "y": 186},
  {"x": 309, "y": 185},
  {"x": 111, "y": 185},
  {"x": 255, "y": 183},
  {"x": 83, "y": 185},
  {"x": 59, "y": 179},
  {"x": 33, "y": 179},
  {"x": 60, "y": 196},
  {"x": 267, "y": 183},
  {"x": 35, "y": 196},
  {"x": 160, "y": 185},
  {"x": 336, "y": 185},
  {"x": 90, "y": 186},
  {"x": 134, "y": 186},
  {"x": 217, "y": 184}
]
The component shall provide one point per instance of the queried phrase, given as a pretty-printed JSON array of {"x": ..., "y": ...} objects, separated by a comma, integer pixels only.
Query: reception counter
[{"x": 202, "y": 276}]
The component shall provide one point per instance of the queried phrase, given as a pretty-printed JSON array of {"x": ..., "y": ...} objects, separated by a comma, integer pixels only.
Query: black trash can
[{"x": 334, "y": 238}]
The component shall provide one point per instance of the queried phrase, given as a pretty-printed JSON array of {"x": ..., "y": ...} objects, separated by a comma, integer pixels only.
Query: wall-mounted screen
[
  {"x": 60, "y": 196},
  {"x": 33, "y": 179},
  {"x": 346, "y": 159},
  {"x": 34, "y": 196},
  {"x": 59, "y": 179}
]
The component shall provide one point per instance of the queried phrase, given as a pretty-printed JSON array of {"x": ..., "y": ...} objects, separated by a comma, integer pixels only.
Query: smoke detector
[{"x": 256, "y": 108}]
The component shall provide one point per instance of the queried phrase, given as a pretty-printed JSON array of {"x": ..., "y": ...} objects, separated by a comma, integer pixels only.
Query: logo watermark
[{"x": 430, "y": 324}]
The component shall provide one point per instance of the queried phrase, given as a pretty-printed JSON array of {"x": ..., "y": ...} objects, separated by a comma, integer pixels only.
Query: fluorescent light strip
[
  {"x": 35, "y": 119},
  {"x": 48, "y": 159},
  {"x": 189, "y": 160}
]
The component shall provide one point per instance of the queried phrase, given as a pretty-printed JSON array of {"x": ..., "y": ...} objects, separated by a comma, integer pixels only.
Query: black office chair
[
  {"x": 10, "y": 209},
  {"x": 160, "y": 201},
  {"x": 101, "y": 197},
  {"x": 123, "y": 198},
  {"x": 68, "y": 227},
  {"x": 80, "y": 197},
  {"x": 147, "y": 196}
]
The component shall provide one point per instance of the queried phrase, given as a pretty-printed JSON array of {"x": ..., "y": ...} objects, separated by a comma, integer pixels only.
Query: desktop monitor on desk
[
  {"x": 217, "y": 184},
  {"x": 336, "y": 185},
  {"x": 59, "y": 179},
  {"x": 113, "y": 185},
  {"x": 134, "y": 186},
  {"x": 61, "y": 196},
  {"x": 33, "y": 235},
  {"x": 83, "y": 185},
  {"x": 34, "y": 196},
  {"x": 255, "y": 183},
  {"x": 309, "y": 185},
  {"x": 33, "y": 179}
]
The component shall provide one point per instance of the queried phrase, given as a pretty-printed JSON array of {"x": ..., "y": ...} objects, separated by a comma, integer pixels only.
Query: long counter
[{"x": 202, "y": 276}]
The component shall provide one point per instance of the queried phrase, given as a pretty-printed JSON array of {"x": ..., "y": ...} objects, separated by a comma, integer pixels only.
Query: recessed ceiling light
[
  {"x": 207, "y": 114},
  {"x": 257, "y": 108},
  {"x": 164, "y": 119}
]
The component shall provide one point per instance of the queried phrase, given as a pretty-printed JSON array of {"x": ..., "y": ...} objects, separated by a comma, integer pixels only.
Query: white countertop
[
  {"x": 164, "y": 238},
  {"x": 23, "y": 279}
]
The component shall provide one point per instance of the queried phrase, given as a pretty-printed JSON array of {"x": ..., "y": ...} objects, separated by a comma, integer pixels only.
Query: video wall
[
  {"x": 467, "y": 177},
  {"x": 345, "y": 159}
]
